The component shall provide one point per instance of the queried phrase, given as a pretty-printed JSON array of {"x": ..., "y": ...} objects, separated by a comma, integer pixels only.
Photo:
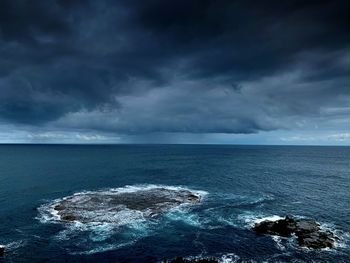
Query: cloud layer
[{"x": 200, "y": 66}]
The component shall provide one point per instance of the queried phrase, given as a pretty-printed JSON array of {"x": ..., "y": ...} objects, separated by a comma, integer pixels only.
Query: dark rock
[
  {"x": 317, "y": 239},
  {"x": 308, "y": 232},
  {"x": 68, "y": 217},
  {"x": 2, "y": 250},
  {"x": 307, "y": 226},
  {"x": 193, "y": 198},
  {"x": 59, "y": 207},
  {"x": 284, "y": 227}
]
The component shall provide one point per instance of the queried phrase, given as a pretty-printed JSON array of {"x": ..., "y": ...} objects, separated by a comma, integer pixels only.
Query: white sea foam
[
  {"x": 344, "y": 240},
  {"x": 278, "y": 242},
  {"x": 343, "y": 237},
  {"x": 229, "y": 258},
  {"x": 250, "y": 219},
  {"x": 268, "y": 218}
]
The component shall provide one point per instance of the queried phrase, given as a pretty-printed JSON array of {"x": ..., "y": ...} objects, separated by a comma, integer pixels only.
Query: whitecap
[
  {"x": 268, "y": 218},
  {"x": 229, "y": 258},
  {"x": 278, "y": 242},
  {"x": 250, "y": 219}
]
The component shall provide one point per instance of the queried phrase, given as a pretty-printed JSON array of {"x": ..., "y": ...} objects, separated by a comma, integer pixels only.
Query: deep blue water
[{"x": 243, "y": 183}]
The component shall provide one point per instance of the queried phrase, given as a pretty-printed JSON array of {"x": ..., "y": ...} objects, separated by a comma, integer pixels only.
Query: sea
[{"x": 238, "y": 186}]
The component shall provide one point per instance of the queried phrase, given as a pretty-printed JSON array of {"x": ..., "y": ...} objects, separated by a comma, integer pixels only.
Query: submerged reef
[{"x": 308, "y": 232}]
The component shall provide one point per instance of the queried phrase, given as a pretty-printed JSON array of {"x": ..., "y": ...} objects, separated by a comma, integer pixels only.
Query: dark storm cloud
[
  {"x": 171, "y": 66},
  {"x": 245, "y": 38}
]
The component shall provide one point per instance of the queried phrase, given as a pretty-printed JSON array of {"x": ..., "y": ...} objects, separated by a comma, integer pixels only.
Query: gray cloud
[{"x": 134, "y": 67}]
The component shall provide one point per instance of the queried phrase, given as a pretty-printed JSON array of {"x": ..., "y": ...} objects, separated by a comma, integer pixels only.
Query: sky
[{"x": 184, "y": 71}]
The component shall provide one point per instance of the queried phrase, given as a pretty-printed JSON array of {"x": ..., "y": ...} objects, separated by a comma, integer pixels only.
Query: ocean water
[{"x": 239, "y": 185}]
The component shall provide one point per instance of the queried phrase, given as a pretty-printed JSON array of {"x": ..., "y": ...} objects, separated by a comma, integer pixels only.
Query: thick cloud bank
[{"x": 200, "y": 66}]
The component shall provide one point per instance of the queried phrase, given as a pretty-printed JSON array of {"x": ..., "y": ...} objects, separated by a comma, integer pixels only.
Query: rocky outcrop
[
  {"x": 308, "y": 232},
  {"x": 2, "y": 250},
  {"x": 118, "y": 206}
]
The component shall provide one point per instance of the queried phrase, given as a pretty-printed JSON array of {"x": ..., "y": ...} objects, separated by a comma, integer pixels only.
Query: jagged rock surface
[{"x": 308, "y": 232}]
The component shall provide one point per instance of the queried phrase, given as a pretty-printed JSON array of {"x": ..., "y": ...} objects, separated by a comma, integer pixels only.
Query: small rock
[
  {"x": 193, "y": 198},
  {"x": 59, "y": 207},
  {"x": 2, "y": 250},
  {"x": 68, "y": 217}
]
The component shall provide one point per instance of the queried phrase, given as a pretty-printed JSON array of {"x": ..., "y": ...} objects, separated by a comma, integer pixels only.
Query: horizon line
[{"x": 151, "y": 143}]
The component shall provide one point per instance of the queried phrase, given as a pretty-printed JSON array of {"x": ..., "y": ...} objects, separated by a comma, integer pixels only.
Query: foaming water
[
  {"x": 185, "y": 216},
  {"x": 343, "y": 237},
  {"x": 229, "y": 258},
  {"x": 278, "y": 241}
]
